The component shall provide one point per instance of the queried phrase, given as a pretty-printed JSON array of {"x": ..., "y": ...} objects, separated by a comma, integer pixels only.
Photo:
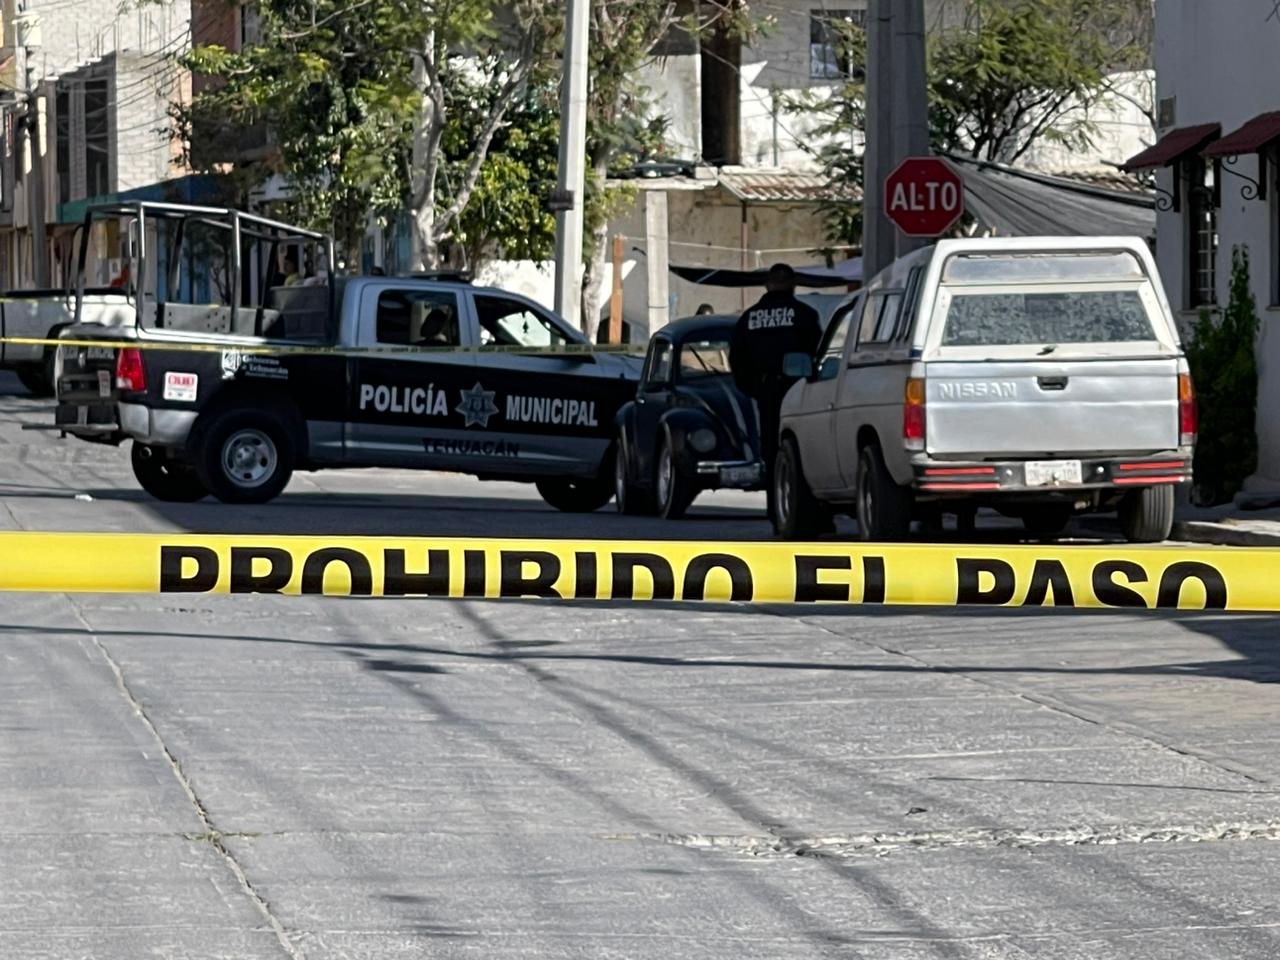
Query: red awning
[
  {"x": 1172, "y": 146},
  {"x": 1255, "y": 135}
]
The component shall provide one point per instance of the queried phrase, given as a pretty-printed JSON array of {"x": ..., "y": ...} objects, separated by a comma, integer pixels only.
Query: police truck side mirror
[{"x": 797, "y": 365}]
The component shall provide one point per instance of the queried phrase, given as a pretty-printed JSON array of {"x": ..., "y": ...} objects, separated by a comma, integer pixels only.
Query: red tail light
[
  {"x": 913, "y": 414},
  {"x": 129, "y": 372},
  {"x": 1187, "y": 418}
]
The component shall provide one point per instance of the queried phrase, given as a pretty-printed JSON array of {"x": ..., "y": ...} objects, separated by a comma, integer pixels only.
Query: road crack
[{"x": 211, "y": 835}]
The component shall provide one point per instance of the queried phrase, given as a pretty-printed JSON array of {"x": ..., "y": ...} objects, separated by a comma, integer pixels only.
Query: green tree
[
  {"x": 506, "y": 215},
  {"x": 1224, "y": 368},
  {"x": 1006, "y": 75},
  {"x": 374, "y": 106},
  {"x": 336, "y": 105},
  {"x": 503, "y": 49},
  {"x": 1017, "y": 71}
]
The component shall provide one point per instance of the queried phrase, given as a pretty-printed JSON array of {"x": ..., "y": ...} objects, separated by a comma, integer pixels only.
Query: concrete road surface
[{"x": 270, "y": 777}]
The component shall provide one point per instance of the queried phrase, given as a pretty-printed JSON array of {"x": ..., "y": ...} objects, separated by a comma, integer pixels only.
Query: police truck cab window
[
  {"x": 511, "y": 323},
  {"x": 418, "y": 318}
]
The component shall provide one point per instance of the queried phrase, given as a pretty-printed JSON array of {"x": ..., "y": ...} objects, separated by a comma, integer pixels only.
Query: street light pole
[{"x": 569, "y": 199}]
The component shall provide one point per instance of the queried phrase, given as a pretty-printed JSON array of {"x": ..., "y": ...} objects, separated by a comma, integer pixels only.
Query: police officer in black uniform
[{"x": 778, "y": 324}]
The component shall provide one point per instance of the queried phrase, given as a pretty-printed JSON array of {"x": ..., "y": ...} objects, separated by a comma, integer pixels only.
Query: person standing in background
[{"x": 777, "y": 324}]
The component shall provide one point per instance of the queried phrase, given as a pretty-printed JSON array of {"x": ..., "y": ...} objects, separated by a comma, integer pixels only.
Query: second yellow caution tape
[
  {"x": 257, "y": 347},
  {"x": 1244, "y": 579}
]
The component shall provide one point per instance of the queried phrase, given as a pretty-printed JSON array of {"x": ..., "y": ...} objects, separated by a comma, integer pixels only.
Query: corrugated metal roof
[
  {"x": 781, "y": 186},
  {"x": 1108, "y": 180}
]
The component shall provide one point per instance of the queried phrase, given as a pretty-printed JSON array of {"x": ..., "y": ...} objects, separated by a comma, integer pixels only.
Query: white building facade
[{"x": 1217, "y": 163}]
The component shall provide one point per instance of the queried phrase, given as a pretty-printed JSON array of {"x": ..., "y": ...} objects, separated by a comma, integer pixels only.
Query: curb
[{"x": 1223, "y": 534}]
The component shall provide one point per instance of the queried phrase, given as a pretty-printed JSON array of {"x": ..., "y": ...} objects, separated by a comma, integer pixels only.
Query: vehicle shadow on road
[
  {"x": 1255, "y": 640},
  {"x": 426, "y": 514}
]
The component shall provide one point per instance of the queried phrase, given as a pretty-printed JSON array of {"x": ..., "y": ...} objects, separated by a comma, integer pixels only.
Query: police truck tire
[
  {"x": 244, "y": 456},
  {"x": 576, "y": 494},
  {"x": 797, "y": 513},
  {"x": 165, "y": 478},
  {"x": 1146, "y": 515},
  {"x": 674, "y": 490},
  {"x": 884, "y": 507},
  {"x": 631, "y": 499}
]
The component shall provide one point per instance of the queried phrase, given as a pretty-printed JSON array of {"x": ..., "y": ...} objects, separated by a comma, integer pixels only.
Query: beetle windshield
[{"x": 704, "y": 358}]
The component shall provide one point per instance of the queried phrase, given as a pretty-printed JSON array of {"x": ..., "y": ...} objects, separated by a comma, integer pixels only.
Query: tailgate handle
[{"x": 1052, "y": 383}]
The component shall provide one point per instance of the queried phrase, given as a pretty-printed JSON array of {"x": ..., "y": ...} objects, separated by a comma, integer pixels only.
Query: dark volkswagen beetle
[{"x": 689, "y": 428}]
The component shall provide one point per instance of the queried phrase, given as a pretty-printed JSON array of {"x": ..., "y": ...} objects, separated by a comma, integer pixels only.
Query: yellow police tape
[
  {"x": 257, "y": 348},
  {"x": 1029, "y": 576}
]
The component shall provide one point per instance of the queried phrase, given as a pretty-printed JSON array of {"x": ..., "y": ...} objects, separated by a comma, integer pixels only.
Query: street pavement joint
[{"x": 211, "y": 834}]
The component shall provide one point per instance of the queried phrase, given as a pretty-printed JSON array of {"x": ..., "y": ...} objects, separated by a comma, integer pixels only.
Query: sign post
[{"x": 924, "y": 196}]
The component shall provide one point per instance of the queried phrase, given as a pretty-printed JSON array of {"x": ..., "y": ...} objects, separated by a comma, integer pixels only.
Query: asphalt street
[{"x": 272, "y": 777}]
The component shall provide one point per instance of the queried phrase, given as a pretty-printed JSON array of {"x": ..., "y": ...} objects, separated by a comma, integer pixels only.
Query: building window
[
  {"x": 1202, "y": 234},
  {"x": 97, "y": 138},
  {"x": 835, "y": 43}
]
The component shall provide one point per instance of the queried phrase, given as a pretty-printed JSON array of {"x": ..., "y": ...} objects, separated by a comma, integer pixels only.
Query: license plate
[
  {"x": 104, "y": 383},
  {"x": 739, "y": 476},
  {"x": 1052, "y": 473}
]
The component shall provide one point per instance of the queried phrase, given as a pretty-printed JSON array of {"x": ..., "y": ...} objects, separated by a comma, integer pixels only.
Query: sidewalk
[{"x": 1228, "y": 524}]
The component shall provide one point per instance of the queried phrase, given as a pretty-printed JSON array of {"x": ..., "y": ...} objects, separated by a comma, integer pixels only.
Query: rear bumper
[
  {"x": 114, "y": 422},
  {"x": 959, "y": 478}
]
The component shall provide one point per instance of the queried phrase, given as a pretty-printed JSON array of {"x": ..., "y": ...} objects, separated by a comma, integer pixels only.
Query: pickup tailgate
[
  {"x": 86, "y": 384},
  {"x": 1042, "y": 408}
]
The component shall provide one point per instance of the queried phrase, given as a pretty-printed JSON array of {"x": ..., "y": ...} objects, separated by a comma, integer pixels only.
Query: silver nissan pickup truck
[{"x": 1039, "y": 376}]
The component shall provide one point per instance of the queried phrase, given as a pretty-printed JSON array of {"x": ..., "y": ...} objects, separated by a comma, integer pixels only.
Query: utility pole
[
  {"x": 897, "y": 119},
  {"x": 877, "y": 160},
  {"x": 28, "y": 28},
  {"x": 910, "y": 96},
  {"x": 569, "y": 198}
]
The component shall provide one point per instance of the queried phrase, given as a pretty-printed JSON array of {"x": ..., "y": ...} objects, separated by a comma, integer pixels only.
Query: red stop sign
[{"x": 924, "y": 196}]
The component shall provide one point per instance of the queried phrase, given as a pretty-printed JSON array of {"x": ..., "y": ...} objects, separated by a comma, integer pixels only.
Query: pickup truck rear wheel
[
  {"x": 1146, "y": 515},
  {"x": 797, "y": 513},
  {"x": 244, "y": 456},
  {"x": 165, "y": 478},
  {"x": 884, "y": 508}
]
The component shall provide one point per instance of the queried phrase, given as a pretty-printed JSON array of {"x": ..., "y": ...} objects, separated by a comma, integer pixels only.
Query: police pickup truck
[{"x": 361, "y": 372}]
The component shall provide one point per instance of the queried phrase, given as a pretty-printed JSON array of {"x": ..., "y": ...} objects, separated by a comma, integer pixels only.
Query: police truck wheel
[
  {"x": 245, "y": 456},
  {"x": 797, "y": 513},
  {"x": 675, "y": 491},
  {"x": 576, "y": 494},
  {"x": 164, "y": 477},
  {"x": 631, "y": 500},
  {"x": 1146, "y": 515},
  {"x": 884, "y": 508}
]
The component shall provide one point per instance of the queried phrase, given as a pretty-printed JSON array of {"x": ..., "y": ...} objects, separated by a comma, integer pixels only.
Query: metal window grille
[
  {"x": 1202, "y": 227},
  {"x": 828, "y": 57}
]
